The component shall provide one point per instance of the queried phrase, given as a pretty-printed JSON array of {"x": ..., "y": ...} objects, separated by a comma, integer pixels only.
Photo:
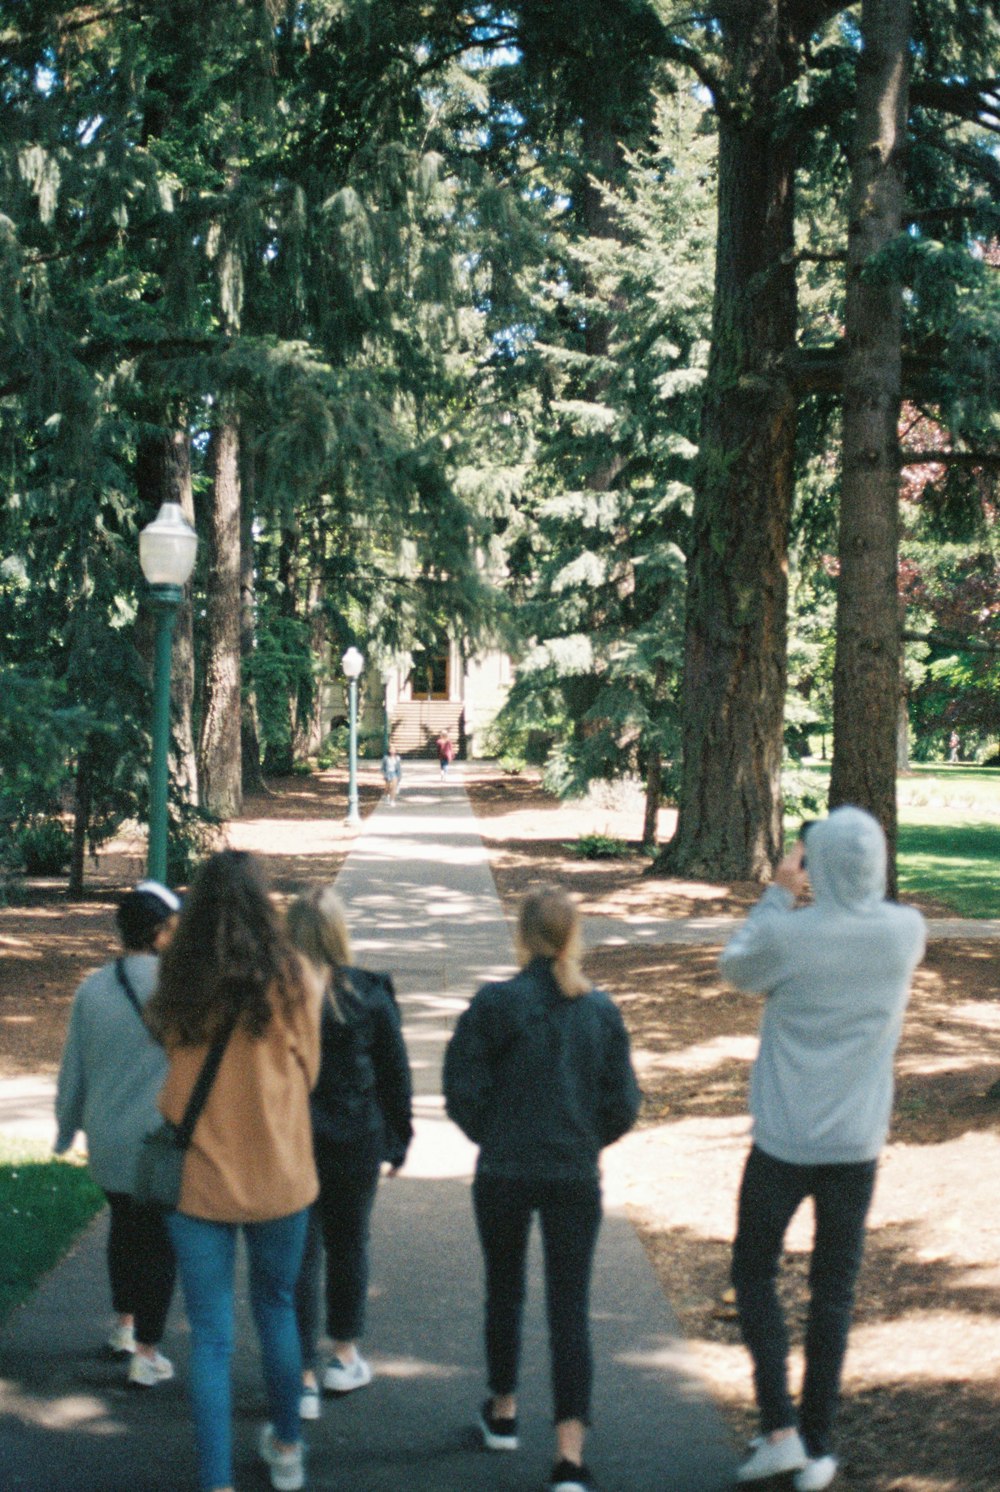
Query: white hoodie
[{"x": 837, "y": 978}]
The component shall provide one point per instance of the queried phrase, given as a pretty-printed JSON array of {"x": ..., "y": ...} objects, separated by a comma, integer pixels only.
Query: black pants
[
  {"x": 570, "y": 1216},
  {"x": 339, "y": 1224},
  {"x": 141, "y": 1265},
  {"x": 769, "y": 1196}
]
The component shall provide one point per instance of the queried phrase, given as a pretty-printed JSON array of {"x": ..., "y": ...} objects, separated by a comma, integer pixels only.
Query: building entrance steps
[{"x": 421, "y": 904}]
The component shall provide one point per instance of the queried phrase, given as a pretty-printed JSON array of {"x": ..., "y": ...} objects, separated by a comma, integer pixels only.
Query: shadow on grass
[
  {"x": 44, "y": 1204},
  {"x": 955, "y": 864}
]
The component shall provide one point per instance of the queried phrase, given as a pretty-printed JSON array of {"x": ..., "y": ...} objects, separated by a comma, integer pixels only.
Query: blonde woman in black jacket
[
  {"x": 538, "y": 1074},
  {"x": 361, "y": 1117}
]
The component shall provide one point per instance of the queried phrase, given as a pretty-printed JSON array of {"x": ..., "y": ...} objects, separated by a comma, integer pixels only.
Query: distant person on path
[
  {"x": 538, "y": 1074},
  {"x": 953, "y": 745},
  {"x": 361, "y": 1116},
  {"x": 445, "y": 751},
  {"x": 111, "y": 1072},
  {"x": 392, "y": 772},
  {"x": 249, "y": 1166},
  {"x": 836, "y": 979}
]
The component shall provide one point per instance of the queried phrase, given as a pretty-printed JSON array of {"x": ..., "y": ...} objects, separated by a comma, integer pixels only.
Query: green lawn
[
  {"x": 44, "y": 1203},
  {"x": 949, "y": 835}
]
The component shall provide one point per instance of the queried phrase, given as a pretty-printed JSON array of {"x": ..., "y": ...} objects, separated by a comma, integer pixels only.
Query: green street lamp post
[
  {"x": 167, "y": 549},
  {"x": 352, "y": 663}
]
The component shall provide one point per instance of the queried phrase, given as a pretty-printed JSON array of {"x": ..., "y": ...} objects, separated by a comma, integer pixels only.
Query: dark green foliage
[
  {"x": 598, "y": 847},
  {"x": 44, "y": 847}
]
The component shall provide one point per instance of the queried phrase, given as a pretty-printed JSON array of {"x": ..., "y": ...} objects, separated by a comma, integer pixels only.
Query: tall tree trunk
[
  {"x": 81, "y": 822},
  {"x": 309, "y": 715},
  {"x": 219, "y": 747},
  {"x": 730, "y": 810},
  {"x": 163, "y": 475},
  {"x": 866, "y": 670},
  {"x": 252, "y": 775},
  {"x": 605, "y": 161}
]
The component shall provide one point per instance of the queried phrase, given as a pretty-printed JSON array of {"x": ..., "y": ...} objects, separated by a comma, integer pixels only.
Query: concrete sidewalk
[{"x": 422, "y": 904}]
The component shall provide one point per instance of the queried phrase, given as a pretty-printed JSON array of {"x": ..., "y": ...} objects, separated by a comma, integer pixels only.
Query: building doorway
[{"x": 430, "y": 676}]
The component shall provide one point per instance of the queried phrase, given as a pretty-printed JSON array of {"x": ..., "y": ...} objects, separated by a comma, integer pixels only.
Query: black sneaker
[
  {"x": 498, "y": 1434},
  {"x": 568, "y": 1477}
]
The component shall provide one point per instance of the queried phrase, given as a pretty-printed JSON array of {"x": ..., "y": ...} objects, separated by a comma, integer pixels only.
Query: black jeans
[
  {"x": 339, "y": 1223},
  {"x": 570, "y": 1216},
  {"x": 769, "y": 1196},
  {"x": 141, "y": 1265}
]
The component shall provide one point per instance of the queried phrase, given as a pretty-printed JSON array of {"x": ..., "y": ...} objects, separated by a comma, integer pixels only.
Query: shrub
[
  {"x": 45, "y": 848},
  {"x": 598, "y": 847}
]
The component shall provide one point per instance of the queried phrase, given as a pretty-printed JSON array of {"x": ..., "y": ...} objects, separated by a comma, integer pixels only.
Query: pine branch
[
  {"x": 942, "y": 638},
  {"x": 977, "y": 101},
  {"x": 986, "y": 460}
]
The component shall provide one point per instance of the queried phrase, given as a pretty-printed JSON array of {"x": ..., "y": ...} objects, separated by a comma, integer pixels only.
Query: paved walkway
[{"x": 422, "y": 904}]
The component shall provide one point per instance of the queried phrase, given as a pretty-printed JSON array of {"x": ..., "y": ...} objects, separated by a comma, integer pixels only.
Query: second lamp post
[{"x": 352, "y": 663}]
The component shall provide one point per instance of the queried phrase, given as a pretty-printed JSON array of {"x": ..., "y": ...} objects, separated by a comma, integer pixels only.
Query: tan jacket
[{"x": 251, "y": 1157}]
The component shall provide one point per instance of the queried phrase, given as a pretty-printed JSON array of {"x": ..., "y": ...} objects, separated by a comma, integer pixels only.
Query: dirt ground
[{"x": 922, "y": 1392}]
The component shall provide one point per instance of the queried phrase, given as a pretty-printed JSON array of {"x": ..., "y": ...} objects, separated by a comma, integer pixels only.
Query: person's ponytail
[{"x": 549, "y": 927}]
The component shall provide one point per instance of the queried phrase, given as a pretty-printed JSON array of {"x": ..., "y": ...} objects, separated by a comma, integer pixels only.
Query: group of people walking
[{"x": 312, "y": 1098}]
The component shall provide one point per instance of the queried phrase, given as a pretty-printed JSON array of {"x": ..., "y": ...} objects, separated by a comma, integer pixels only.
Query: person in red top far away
[{"x": 445, "y": 751}]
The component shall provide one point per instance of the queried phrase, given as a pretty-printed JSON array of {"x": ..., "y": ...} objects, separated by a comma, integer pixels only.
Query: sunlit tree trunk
[
  {"x": 866, "y": 671},
  {"x": 220, "y": 749},
  {"x": 730, "y": 810}
]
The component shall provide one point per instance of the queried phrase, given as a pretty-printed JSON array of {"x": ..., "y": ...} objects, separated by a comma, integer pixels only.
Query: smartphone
[{"x": 804, "y": 828}]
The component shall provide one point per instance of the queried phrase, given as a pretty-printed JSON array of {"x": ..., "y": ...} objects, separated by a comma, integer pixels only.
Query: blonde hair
[
  {"x": 549, "y": 927},
  {"x": 317, "y": 926}
]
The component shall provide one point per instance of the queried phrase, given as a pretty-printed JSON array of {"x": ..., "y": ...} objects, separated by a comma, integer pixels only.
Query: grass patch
[
  {"x": 955, "y": 864},
  {"x": 948, "y": 843},
  {"x": 44, "y": 1203}
]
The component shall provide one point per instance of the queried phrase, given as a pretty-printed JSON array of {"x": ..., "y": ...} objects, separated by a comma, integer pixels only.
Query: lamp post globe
[
  {"x": 352, "y": 663},
  {"x": 167, "y": 549}
]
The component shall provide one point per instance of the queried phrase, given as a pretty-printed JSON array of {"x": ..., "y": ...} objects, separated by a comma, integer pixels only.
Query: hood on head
[{"x": 847, "y": 859}]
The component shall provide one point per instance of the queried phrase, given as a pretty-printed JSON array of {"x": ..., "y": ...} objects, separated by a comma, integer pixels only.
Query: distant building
[{"x": 424, "y": 693}]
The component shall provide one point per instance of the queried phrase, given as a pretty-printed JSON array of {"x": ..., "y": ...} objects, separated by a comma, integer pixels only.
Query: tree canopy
[{"x": 523, "y": 323}]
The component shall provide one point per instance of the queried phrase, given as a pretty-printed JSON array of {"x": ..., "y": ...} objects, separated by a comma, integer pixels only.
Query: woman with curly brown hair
[{"x": 232, "y": 974}]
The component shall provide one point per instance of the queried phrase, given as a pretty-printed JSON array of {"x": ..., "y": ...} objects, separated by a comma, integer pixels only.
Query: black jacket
[
  {"x": 539, "y": 1081},
  {"x": 362, "y": 1100}
]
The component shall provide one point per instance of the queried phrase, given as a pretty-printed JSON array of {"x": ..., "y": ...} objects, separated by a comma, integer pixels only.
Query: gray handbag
[{"x": 160, "y": 1167}]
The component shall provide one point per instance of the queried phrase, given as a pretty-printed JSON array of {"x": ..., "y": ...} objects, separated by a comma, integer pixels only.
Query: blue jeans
[
  {"x": 570, "y": 1217},
  {"x": 769, "y": 1197},
  {"x": 206, "y": 1257}
]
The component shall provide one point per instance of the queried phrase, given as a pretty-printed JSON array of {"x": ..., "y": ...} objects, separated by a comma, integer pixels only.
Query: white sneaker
[
  {"x": 121, "y": 1339},
  {"x": 309, "y": 1402},
  {"x": 147, "y": 1372},
  {"x": 817, "y": 1473},
  {"x": 288, "y": 1472},
  {"x": 772, "y": 1457},
  {"x": 341, "y": 1378}
]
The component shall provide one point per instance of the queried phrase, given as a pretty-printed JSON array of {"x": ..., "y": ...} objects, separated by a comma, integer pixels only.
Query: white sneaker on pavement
[
  {"x": 287, "y": 1468},
  {"x": 147, "y": 1372},
  {"x": 309, "y": 1402},
  {"x": 772, "y": 1457},
  {"x": 341, "y": 1378},
  {"x": 121, "y": 1339},
  {"x": 817, "y": 1473}
]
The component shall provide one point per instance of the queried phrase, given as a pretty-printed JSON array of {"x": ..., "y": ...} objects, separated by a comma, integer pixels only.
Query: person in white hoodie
[
  {"x": 836, "y": 978},
  {"x": 111, "y": 1072}
]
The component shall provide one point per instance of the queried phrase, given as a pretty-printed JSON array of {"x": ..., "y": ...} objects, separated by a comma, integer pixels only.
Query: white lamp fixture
[
  {"x": 352, "y": 663},
  {"x": 167, "y": 547}
]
